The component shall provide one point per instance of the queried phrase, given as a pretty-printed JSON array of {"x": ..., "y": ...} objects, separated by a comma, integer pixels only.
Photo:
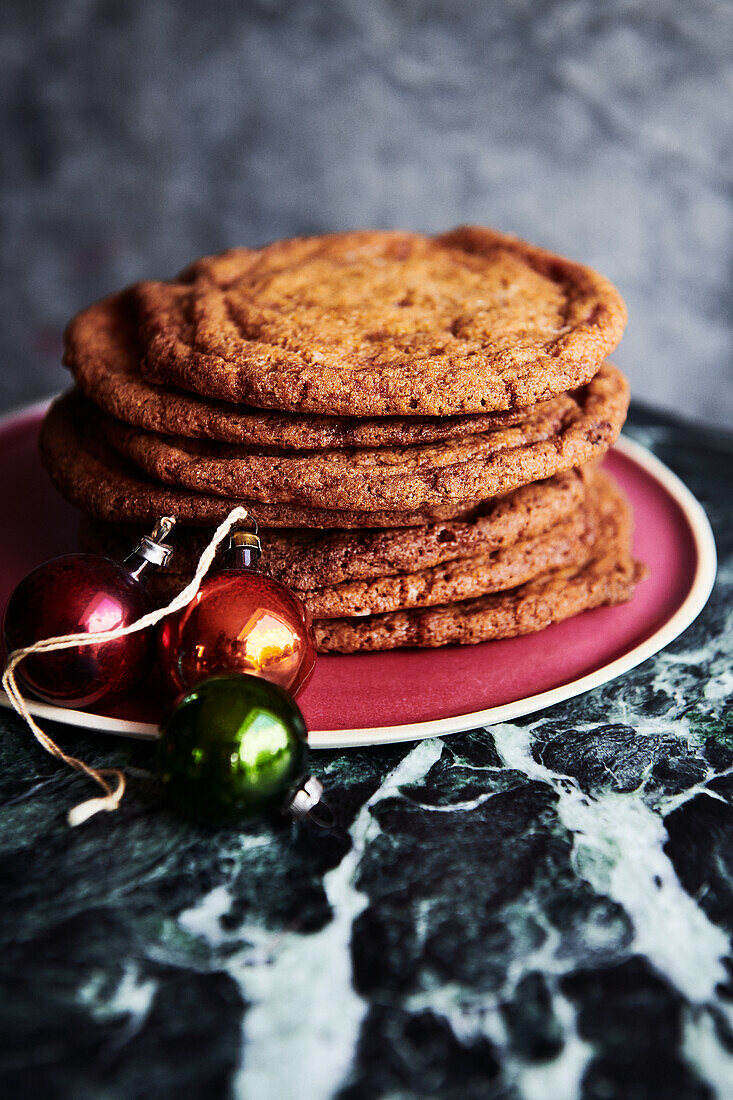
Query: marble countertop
[{"x": 541, "y": 910}]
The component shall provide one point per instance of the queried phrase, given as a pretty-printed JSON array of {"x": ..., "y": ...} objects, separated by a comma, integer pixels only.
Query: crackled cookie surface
[
  {"x": 568, "y": 432},
  {"x": 378, "y": 323},
  {"x": 103, "y": 352},
  {"x": 96, "y": 479},
  {"x": 310, "y": 558}
]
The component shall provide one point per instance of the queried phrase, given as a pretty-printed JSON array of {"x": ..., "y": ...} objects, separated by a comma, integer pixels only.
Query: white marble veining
[{"x": 286, "y": 977}]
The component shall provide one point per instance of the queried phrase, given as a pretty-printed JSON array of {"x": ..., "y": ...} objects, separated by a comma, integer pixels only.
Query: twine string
[{"x": 111, "y": 780}]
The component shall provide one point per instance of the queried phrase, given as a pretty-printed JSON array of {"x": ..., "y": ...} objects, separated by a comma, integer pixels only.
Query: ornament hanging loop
[
  {"x": 307, "y": 801},
  {"x": 163, "y": 528},
  {"x": 153, "y": 548}
]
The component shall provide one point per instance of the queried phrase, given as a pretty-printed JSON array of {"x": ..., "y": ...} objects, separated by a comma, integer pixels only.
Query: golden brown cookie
[
  {"x": 311, "y": 559},
  {"x": 103, "y": 354},
  {"x": 378, "y": 323},
  {"x": 92, "y": 476},
  {"x": 568, "y": 432},
  {"x": 608, "y": 577},
  {"x": 604, "y": 573},
  {"x": 565, "y": 543}
]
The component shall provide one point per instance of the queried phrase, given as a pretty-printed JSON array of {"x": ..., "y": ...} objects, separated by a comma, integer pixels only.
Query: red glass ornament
[
  {"x": 239, "y": 621},
  {"x": 84, "y": 593}
]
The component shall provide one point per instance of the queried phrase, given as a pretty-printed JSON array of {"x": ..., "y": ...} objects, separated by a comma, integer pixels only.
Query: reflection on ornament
[
  {"x": 240, "y": 621},
  {"x": 233, "y": 747},
  {"x": 86, "y": 594}
]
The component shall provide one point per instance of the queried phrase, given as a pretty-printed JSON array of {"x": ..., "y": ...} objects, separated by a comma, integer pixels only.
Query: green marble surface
[{"x": 540, "y": 910}]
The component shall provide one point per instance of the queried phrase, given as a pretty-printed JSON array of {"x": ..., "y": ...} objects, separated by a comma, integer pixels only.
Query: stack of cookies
[{"x": 415, "y": 423}]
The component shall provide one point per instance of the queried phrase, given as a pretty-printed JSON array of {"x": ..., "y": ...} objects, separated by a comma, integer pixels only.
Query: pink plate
[{"x": 408, "y": 694}]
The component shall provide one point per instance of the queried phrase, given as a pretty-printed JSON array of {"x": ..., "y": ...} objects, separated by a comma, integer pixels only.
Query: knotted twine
[{"x": 111, "y": 780}]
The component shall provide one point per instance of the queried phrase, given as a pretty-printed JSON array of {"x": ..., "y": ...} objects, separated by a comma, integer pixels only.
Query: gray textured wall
[{"x": 143, "y": 133}]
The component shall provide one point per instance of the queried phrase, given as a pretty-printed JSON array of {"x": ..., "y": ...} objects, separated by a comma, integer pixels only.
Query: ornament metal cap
[
  {"x": 307, "y": 800},
  {"x": 152, "y": 547},
  {"x": 245, "y": 548},
  {"x": 246, "y": 538}
]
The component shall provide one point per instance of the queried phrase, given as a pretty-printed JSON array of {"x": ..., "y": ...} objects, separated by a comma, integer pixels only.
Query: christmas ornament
[
  {"x": 83, "y": 594},
  {"x": 270, "y": 760},
  {"x": 234, "y": 747},
  {"x": 241, "y": 620}
]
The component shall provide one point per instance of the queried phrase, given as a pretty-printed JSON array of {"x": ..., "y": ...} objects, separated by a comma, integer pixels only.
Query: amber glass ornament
[{"x": 241, "y": 620}]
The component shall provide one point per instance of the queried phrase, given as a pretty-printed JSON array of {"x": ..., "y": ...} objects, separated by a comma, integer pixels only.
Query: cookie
[
  {"x": 103, "y": 354},
  {"x": 566, "y": 544},
  {"x": 571, "y": 431},
  {"x": 607, "y": 574},
  {"x": 311, "y": 559},
  {"x": 93, "y": 477},
  {"x": 608, "y": 577},
  {"x": 378, "y": 323}
]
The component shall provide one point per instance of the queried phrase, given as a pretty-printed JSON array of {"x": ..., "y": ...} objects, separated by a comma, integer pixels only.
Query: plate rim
[{"x": 685, "y": 614}]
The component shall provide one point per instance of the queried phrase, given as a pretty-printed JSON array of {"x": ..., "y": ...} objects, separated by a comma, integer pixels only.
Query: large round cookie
[
  {"x": 92, "y": 476},
  {"x": 566, "y": 544},
  {"x": 311, "y": 559},
  {"x": 570, "y": 431},
  {"x": 103, "y": 354},
  {"x": 605, "y": 574},
  {"x": 608, "y": 577},
  {"x": 382, "y": 323}
]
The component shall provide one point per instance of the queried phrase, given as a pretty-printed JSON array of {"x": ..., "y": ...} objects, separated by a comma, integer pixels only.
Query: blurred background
[{"x": 139, "y": 134}]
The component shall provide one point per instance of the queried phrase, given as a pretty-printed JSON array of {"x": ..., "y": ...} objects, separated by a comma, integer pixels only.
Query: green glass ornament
[{"x": 235, "y": 747}]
